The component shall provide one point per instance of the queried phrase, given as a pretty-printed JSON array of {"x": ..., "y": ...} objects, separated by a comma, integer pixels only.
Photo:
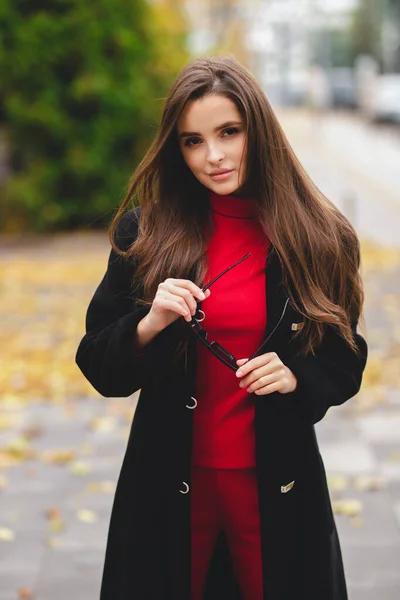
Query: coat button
[
  {"x": 185, "y": 491},
  {"x": 194, "y": 405}
]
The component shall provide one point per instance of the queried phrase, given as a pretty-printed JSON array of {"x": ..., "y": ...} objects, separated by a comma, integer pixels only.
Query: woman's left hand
[{"x": 265, "y": 374}]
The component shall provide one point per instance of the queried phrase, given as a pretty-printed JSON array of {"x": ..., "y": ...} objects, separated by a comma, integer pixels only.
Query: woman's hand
[
  {"x": 265, "y": 374},
  {"x": 174, "y": 298}
]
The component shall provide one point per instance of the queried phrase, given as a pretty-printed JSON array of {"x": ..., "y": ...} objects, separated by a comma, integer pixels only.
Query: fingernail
[{"x": 239, "y": 373}]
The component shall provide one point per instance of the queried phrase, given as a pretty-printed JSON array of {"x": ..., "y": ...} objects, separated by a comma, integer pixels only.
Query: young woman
[{"x": 222, "y": 493}]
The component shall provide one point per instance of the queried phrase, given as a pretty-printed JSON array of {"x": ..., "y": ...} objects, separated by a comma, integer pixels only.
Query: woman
[{"x": 222, "y": 492}]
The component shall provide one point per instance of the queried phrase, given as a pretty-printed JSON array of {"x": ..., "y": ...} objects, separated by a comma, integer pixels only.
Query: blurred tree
[
  {"x": 81, "y": 86},
  {"x": 341, "y": 49},
  {"x": 394, "y": 5},
  {"x": 229, "y": 27},
  {"x": 392, "y": 27},
  {"x": 364, "y": 34}
]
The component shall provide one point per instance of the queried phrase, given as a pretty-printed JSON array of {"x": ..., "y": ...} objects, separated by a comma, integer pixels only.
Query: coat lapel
[{"x": 276, "y": 293}]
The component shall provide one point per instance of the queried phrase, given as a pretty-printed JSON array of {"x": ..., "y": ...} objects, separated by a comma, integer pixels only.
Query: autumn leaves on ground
[
  {"x": 45, "y": 286},
  {"x": 45, "y": 289}
]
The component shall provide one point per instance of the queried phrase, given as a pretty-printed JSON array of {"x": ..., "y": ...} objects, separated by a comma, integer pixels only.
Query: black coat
[{"x": 148, "y": 548}]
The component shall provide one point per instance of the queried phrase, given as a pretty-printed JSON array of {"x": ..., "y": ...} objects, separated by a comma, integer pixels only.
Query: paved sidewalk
[
  {"x": 352, "y": 447},
  {"x": 355, "y": 164},
  {"x": 66, "y": 562},
  {"x": 58, "y": 505}
]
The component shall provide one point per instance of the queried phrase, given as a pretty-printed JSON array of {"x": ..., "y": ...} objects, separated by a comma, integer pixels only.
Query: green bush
[{"x": 81, "y": 87}]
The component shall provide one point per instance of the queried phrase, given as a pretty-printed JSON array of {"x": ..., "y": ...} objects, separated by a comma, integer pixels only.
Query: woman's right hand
[{"x": 174, "y": 298}]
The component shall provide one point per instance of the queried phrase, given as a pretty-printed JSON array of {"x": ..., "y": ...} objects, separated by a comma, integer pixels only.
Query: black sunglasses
[{"x": 219, "y": 351}]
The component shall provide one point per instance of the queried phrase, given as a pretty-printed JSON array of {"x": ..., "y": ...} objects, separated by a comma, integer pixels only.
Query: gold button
[{"x": 287, "y": 488}]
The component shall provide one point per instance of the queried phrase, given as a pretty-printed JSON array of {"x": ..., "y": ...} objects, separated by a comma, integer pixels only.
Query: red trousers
[{"x": 226, "y": 499}]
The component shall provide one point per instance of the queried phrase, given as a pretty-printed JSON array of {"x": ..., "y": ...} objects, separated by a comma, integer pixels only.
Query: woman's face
[{"x": 212, "y": 140}]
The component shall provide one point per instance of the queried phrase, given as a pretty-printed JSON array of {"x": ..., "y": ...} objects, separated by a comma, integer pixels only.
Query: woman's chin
[{"x": 223, "y": 188}]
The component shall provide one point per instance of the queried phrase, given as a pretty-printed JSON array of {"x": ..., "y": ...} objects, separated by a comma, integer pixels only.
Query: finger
[
  {"x": 261, "y": 382},
  {"x": 185, "y": 295},
  {"x": 268, "y": 389},
  {"x": 188, "y": 285},
  {"x": 251, "y": 378},
  {"x": 247, "y": 367},
  {"x": 271, "y": 368},
  {"x": 257, "y": 362},
  {"x": 169, "y": 303},
  {"x": 182, "y": 302},
  {"x": 241, "y": 362}
]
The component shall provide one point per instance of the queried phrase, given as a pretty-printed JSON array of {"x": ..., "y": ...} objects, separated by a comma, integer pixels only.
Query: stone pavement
[
  {"x": 55, "y": 505},
  {"x": 355, "y": 164},
  {"x": 60, "y": 558},
  {"x": 66, "y": 562},
  {"x": 353, "y": 446}
]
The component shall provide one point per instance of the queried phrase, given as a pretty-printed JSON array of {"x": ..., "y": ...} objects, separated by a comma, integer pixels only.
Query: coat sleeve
[
  {"x": 330, "y": 377},
  {"x": 106, "y": 354}
]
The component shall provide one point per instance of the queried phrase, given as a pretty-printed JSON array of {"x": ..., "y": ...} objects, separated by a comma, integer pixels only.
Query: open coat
[{"x": 148, "y": 548}]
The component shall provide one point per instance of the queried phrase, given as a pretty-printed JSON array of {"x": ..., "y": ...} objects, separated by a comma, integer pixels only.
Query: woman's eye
[
  {"x": 195, "y": 141},
  {"x": 192, "y": 141},
  {"x": 230, "y": 131}
]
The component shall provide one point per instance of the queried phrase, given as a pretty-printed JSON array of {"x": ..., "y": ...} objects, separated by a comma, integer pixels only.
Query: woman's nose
[{"x": 215, "y": 154}]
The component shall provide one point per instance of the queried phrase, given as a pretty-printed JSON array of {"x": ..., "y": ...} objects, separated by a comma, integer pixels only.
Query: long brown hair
[{"x": 317, "y": 246}]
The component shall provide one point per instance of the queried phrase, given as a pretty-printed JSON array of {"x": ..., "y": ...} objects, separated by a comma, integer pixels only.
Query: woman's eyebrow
[{"x": 218, "y": 128}]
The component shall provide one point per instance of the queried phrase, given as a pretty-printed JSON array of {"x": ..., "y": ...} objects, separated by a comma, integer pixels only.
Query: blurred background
[{"x": 81, "y": 90}]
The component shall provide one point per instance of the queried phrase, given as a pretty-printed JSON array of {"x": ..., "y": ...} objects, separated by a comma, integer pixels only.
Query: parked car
[
  {"x": 385, "y": 103},
  {"x": 343, "y": 87}
]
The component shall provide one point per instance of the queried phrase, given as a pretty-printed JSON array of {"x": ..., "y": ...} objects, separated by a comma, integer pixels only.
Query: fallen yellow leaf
[
  {"x": 103, "y": 424},
  {"x": 347, "y": 506},
  {"x": 368, "y": 483},
  {"x": 6, "y": 460},
  {"x": 80, "y": 468},
  {"x": 58, "y": 456},
  {"x": 56, "y": 522},
  {"x": 96, "y": 487},
  {"x": 337, "y": 482},
  {"x": 8, "y": 420},
  {"x": 19, "y": 448},
  {"x": 87, "y": 516},
  {"x": 6, "y": 535},
  {"x": 356, "y": 521}
]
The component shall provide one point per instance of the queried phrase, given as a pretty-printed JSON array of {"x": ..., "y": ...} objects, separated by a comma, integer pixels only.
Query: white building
[
  {"x": 280, "y": 39},
  {"x": 276, "y": 33}
]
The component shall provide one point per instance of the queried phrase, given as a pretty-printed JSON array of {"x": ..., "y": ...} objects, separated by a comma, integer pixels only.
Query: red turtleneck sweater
[{"x": 235, "y": 316}]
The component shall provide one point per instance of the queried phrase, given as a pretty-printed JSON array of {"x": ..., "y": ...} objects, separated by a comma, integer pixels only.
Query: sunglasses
[{"x": 214, "y": 347}]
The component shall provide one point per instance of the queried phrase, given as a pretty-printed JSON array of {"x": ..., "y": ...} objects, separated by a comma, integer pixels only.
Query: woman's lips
[{"x": 220, "y": 176}]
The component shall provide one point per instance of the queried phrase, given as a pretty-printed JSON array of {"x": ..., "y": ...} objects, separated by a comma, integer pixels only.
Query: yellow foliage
[
  {"x": 44, "y": 293},
  {"x": 347, "y": 506}
]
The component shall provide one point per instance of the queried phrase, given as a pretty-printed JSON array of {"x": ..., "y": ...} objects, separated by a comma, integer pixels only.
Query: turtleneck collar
[{"x": 232, "y": 206}]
